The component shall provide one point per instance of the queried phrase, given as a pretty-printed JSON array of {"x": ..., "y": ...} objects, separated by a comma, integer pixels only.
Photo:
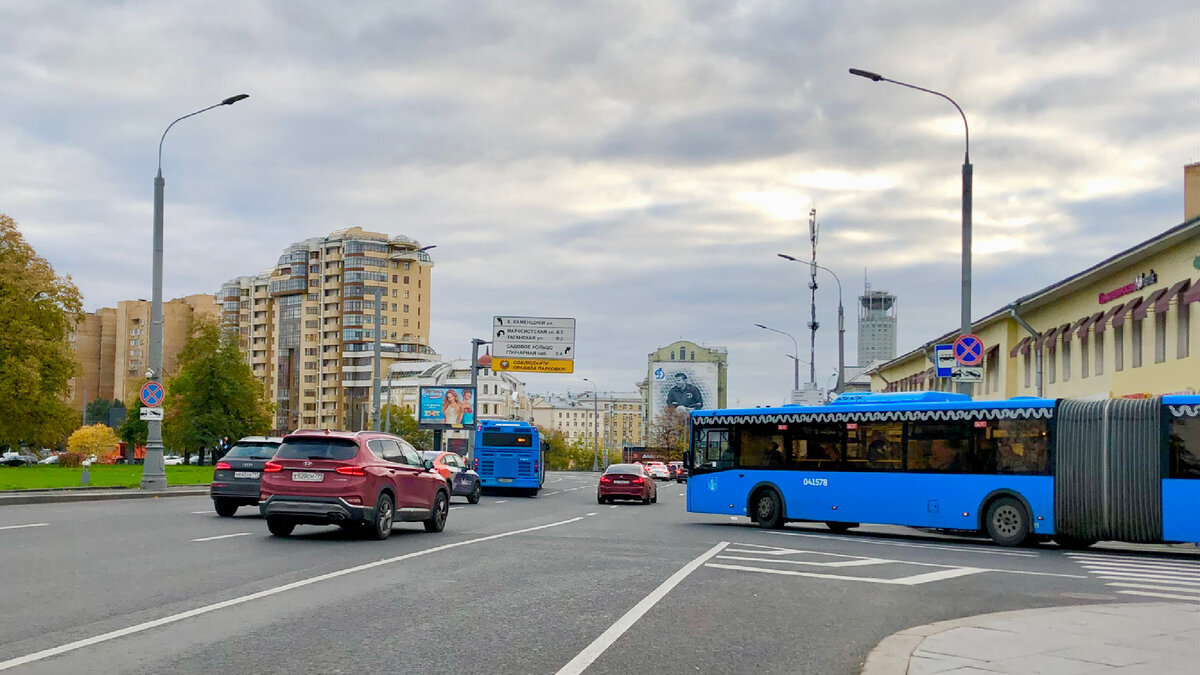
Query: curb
[
  {"x": 93, "y": 494},
  {"x": 891, "y": 656}
]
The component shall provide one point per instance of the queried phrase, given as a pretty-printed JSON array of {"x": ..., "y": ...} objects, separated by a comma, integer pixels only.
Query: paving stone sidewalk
[{"x": 1161, "y": 638}]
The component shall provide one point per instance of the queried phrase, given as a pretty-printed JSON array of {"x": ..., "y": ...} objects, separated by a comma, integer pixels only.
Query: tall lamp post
[
  {"x": 595, "y": 425},
  {"x": 841, "y": 373},
  {"x": 796, "y": 358},
  {"x": 967, "y": 172},
  {"x": 154, "y": 473}
]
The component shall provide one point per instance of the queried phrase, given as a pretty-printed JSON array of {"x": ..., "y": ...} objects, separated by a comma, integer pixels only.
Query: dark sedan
[
  {"x": 237, "y": 477},
  {"x": 626, "y": 481}
]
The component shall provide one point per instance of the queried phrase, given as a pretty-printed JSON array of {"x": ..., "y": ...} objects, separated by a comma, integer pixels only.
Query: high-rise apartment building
[
  {"x": 308, "y": 325},
  {"x": 876, "y": 326},
  {"x": 112, "y": 345}
]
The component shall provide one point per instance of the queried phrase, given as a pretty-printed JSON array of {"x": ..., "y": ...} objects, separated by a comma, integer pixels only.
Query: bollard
[{"x": 85, "y": 477}]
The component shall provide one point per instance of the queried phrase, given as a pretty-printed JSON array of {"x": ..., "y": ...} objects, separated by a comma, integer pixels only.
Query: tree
[
  {"x": 565, "y": 455},
  {"x": 97, "y": 439},
  {"x": 97, "y": 411},
  {"x": 133, "y": 430},
  {"x": 215, "y": 394},
  {"x": 38, "y": 310},
  {"x": 403, "y": 424},
  {"x": 669, "y": 433}
]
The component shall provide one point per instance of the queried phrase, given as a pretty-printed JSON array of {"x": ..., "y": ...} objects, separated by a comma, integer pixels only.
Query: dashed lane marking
[
  {"x": 18, "y": 527},
  {"x": 201, "y": 513},
  {"x": 502, "y": 501},
  {"x": 455, "y": 508},
  {"x": 224, "y": 536},
  {"x": 593, "y": 514},
  {"x": 613, "y": 506}
]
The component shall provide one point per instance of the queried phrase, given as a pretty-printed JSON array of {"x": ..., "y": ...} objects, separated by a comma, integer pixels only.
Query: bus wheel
[
  {"x": 1073, "y": 543},
  {"x": 768, "y": 510},
  {"x": 839, "y": 527},
  {"x": 1007, "y": 522}
]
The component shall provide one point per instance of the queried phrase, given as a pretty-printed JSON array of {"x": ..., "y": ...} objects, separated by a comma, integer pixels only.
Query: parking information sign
[{"x": 532, "y": 337}]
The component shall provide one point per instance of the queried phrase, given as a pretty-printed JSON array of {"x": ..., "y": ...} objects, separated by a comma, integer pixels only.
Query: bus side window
[
  {"x": 1020, "y": 446},
  {"x": 1184, "y": 446},
  {"x": 713, "y": 449}
]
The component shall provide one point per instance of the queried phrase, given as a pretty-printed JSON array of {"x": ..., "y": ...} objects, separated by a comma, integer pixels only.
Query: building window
[
  {"x": 1083, "y": 357},
  {"x": 1066, "y": 358},
  {"x": 1136, "y": 345},
  {"x": 406, "y": 323},
  {"x": 406, "y": 279},
  {"x": 1183, "y": 318},
  {"x": 1028, "y": 367},
  {"x": 1118, "y": 348},
  {"x": 1160, "y": 337},
  {"x": 1098, "y": 362},
  {"x": 406, "y": 309}
]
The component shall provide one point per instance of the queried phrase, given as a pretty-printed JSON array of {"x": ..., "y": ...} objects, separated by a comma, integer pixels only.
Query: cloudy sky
[{"x": 635, "y": 165}]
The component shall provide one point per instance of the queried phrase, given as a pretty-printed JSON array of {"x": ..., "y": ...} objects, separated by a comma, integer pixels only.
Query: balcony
[{"x": 289, "y": 287}]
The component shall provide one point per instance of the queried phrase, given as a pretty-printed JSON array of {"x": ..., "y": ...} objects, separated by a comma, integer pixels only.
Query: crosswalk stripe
[
  {"x": 1125, "y": 566},
  {"x": 1172, "y": 580},
  {"x": 1127, "y": 560},
  {"x": 1104, "y": 574},
  {"x": 1159, "y": 595},
  {"x": 1157, "y": 587}
]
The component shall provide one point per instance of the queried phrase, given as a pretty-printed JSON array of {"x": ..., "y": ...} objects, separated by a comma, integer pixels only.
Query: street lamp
[
  {"x": 967, "y": 172},
  {"x": 841, "y": 381},
  {"x": 796, "y": 358},
  {"x": 595, "y": 426},
  {"x": 154, "y": 473}
]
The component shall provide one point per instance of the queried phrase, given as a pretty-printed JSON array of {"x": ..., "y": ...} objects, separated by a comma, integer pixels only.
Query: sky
[{"x": 634, "y": 165}]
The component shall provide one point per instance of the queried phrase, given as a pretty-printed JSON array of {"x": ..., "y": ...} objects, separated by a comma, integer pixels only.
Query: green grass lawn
[{"x": 103, "y": 475}]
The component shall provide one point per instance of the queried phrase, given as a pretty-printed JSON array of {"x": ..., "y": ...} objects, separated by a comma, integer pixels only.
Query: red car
[
  {"x": 626, "y": 481},
  {"x": 357, "y": 480}
]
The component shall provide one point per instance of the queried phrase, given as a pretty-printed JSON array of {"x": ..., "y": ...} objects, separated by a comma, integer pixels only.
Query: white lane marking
[
  {"x": 1132, "y": 560},
  {"x": 173, "y": 618},
  {"x": 224, "y": 536},
  {"x": 593, "y": 513},
  {"x": 198, "y": 513},
  {"x": 682, "y": 494},
  {"x": 1177, "y": 578},
  {"x": 502, "y": 501},
  {"x": 1160, "y": 587},
  {"x": 904, "y": 581},
  {"x": 863, "y": 540},
  {"x": 593, "y": 651},
  {"x": 776, "y": 551},
  {"x": 1160, "y": 595},
  {"x": 613, "y": 506},
  {"x": 455, "y": 508},
  {"x": 1142, "y": 568},
  {"x": 844, "y": 563},
  {"x": 551, "y": 492},
  {"x": 18, "y": 527}
]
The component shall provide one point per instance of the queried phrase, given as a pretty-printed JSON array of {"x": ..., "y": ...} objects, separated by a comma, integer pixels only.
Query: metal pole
[
  {"x": 795, "y": 359},
  {"x": 387, "y": 415},
  {"x": 378, "y": 355},
  {"x": 154, "y": 472},
  {"x": 595, "y": 425},
  {"x": 475, "y": 343},
  {"x": 841, "y": 322}
]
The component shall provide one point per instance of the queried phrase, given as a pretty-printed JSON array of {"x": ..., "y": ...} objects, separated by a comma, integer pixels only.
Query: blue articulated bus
[
  {"x": 510, "y": 455},
  {"x": 1016, "y": 470}
]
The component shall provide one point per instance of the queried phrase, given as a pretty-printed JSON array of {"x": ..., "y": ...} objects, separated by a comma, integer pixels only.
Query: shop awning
[
  {"x": 1119, "y": 317},
  {"x": 1193, "y": 294},
  {"x": 1139, "y": 312},
  {"x": 1022, "y": 346},
  {"x": 1087, "y": 323},
  {"x": 1103, "y": 322},
  {"x": 1165, "y": 301}
]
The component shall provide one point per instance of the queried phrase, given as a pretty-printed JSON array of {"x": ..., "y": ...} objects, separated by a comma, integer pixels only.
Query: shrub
[{"x": 71, "y": 460}]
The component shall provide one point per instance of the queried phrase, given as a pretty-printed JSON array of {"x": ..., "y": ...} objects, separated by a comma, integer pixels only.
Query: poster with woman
[{"x": 446, "y": 407}]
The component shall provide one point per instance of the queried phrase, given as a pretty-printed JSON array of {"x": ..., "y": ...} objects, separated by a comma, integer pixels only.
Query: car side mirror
[{"x": 428, "y": 464}]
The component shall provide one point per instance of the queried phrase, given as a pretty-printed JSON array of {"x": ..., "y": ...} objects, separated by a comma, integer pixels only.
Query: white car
[
  {"x": 172, "y": 460},
  {"x": 658, "y": 470},
  {"x": 52, "y": 459}
]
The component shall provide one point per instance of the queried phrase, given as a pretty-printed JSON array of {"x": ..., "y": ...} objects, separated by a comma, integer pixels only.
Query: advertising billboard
[
  {"x": 446, "y": 407},
  {"x": 682, "y": 383}
]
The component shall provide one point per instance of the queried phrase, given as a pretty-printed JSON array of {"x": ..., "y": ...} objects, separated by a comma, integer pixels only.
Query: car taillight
[
  {"x": 272, "y": 467},
  {"x": 637, "y": 479},
  {"x": 222, "y": 465},
  {"x": 606, "y": 479},
  {"x": 357, "y": 501},
  {"x": 351, "y": 471}
]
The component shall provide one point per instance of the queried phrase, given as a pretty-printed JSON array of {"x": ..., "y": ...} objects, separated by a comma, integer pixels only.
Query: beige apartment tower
[{"x": 307, "y": 326}]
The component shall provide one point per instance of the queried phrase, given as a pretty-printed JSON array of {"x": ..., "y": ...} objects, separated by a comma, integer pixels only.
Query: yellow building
[
  {"x": 112, "y": 345},
  {"x": 1126, "y": 327},
  {"x": 307, "y": 326}
]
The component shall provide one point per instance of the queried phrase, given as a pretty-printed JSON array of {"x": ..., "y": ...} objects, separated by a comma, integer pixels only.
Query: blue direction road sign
[
  {"x": 152, "y": 394},
  {"x": 968, "y": 350},
  {"x": 944, "y": 360}
]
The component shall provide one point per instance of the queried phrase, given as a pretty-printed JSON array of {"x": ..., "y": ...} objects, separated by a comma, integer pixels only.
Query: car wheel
[
  {"x": 768, "y": 510},
  {"x": 473, "y": 498},
  {"x": 385, "y": 515},
  {"x": 225, "y": 508},
  {"x": 645, "y": 500},
  {"x": 280, "y": 527},
  {"x": 654, "y": 499},
  {"x": 1007, "y": 522},
  {"x": 441, "y": 507}
]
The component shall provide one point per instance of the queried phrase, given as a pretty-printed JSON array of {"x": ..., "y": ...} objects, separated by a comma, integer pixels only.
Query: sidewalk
[
  {"x": 59, "y": 495},
  {"x": 1161, "y": 638}
]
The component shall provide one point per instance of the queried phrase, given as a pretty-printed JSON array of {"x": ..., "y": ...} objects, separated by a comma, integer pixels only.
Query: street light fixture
[
  {"x": 967, "y": 173},
  {"x": 154, "y": 473},
  {"x": 796, "y": 345},
  {"x": 841, "y": 381},
  {"x": 595, "y": 425}
]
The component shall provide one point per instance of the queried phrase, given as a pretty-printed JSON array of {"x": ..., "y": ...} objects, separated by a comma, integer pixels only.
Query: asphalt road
[{"x": 551, "y": 584}]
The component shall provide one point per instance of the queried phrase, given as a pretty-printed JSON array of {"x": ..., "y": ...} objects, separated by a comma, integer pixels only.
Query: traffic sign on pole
[
  {"x": 532, "y": 337},
  {"x": 151, "y": 414},
  {"x": 533, "y": 365},
  {"x": 944, "y": 360},
  {"x": 968, "y": 373},
  {"x": 152, "y": 394},
  {"x": 968, "y": 350}
]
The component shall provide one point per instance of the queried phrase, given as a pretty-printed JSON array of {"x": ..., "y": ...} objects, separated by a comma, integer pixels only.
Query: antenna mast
[{"x": 813, "y": 325}]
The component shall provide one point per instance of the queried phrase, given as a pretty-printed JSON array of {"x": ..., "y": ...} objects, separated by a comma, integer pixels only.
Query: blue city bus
[
  {"x": 1016, "y": 470},
  {"x": 510, "y": 455}
]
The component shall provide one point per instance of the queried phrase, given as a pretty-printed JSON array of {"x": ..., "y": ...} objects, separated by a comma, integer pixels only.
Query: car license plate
[
  {"x": 504, "y": 480},
  {"x": 245, "y": 474},
  {"x": 308, "y": 476},
  {"x": 621, "y": 482}
]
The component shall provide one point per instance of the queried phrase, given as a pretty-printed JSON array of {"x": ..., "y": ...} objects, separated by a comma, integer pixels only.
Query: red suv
[{"x": 356, "y": 480}]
